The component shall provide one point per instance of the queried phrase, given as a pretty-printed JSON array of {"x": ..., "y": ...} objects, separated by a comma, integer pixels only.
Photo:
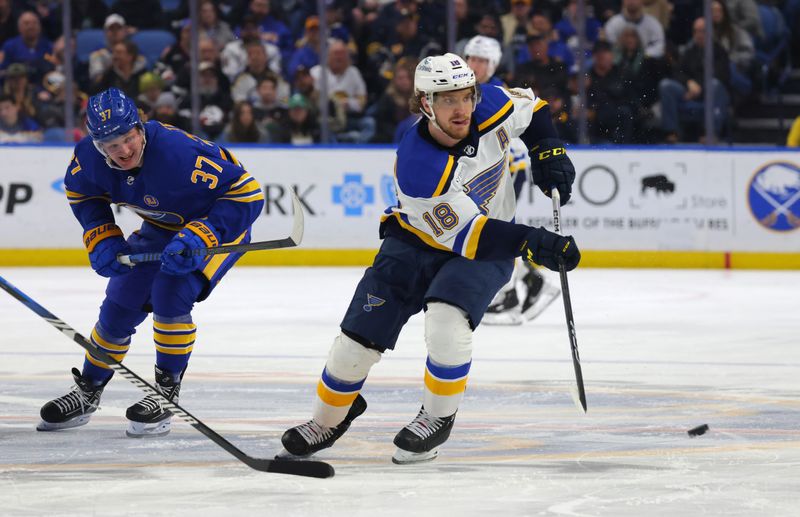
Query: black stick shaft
[
  {"x": 573, "y": 339},
  {"x": 300, "y": 468}
]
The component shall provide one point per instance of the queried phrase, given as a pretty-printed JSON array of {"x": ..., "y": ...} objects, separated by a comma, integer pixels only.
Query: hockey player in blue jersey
[
  {"x": 191, "y": 193},
  {"x": 483, "y": 54},
  {"x": 448, "y": 246}
]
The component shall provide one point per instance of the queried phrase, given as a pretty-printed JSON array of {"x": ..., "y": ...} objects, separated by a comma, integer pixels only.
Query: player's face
[
  {"x": 480, "y": 66},
  {"x": 454, "y": 112},
  {"x": 126, "y": 150}
]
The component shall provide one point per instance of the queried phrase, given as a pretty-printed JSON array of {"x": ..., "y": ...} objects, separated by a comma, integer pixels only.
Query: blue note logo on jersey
[
  {"x": 774, "y": 196},
  {"x": 150, "y": 200},
  {"x": 388, "y": 192},
  {"x": 373, "y": 301},
  {"x": 352, "y": 194}
]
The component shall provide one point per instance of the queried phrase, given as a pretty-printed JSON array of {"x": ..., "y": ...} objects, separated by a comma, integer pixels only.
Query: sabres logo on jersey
[
  {"x": 150, "y": 200},
  {"x": 373, "y": 301}
]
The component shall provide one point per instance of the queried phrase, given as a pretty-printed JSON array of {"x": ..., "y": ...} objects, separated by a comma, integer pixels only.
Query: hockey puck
[{"x": 697, "y": 431}]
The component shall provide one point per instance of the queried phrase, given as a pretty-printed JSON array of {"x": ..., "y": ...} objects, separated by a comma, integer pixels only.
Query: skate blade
[
  {"x": 144, "y": 430},
  {"x": 403, "y": 457},
  {"x": 69, "y": 424},
  {"x": 546, "y": 297},
  {"x": 502, "y": 318}
]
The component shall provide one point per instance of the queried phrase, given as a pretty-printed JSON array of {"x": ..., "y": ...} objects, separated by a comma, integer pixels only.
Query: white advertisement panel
[{"x": 623, "y": 199}]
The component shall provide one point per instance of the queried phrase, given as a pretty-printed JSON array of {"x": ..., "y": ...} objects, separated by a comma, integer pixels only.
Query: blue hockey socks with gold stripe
[
  {"x": 174, "y": 339},
  {"x": 95, "y": 370}
]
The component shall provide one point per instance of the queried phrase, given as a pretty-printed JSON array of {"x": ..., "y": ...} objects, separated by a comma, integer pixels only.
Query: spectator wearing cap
[
  {"x": 307, "y": 53},
  {"x": 123, "y": 73},
  {"x": 29, "y": 48},
  {"x": 406, "y": 41},
  {"x": 651, "y": 32},
  {"x": 20, "y": 88},
  {"x": 141, "y": 14},
  {"x": 392, "y": 107},
  {"x": 430, "y": 18},
  {"x": 610, "y": 107},
  {"x": 267, "y": 107},
  {"x": 542, "y": 72},
  {"x": 300, "y": 127},
  {"x": 50, "y": 99},
  {"x": 272, "y": 30},
  {"x": 556, "y": 48},
  {"x": 685, "y": 89},
  {"x": 166, "y": 112},
  {"x": 150, "y": 87},
  {"x": 116, "y": 31},
  {"x": 212, "y": 27},
  {"x": 243, "y": 129},
  {"x": 234, "y": 54},
  {"x": 215, "y": 95},
  {"x": 348, "y": 93},
  {"x": 244, "y": 86},
  {"x": 15, "y": 126}
]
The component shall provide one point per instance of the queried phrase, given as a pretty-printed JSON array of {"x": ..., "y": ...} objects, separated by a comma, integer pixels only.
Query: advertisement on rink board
[{"x": 628, "y": 199}]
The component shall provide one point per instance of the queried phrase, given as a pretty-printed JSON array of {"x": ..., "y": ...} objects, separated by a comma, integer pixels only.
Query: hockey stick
[
  {"x": 578, "y": 393},
  {"x": 293, "y": 240},
  {"x": 308, "y": 468}
]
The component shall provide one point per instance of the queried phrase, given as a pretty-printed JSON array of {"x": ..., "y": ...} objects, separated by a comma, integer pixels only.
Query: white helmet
[
  {"x": 445, "y": 73},
  {"x": 485, "y": 48}
]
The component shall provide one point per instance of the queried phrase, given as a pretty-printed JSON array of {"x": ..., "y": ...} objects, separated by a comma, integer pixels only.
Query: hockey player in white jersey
[
  {"x": 529, "y": 292},
  {"x": 448, "y": 246}
]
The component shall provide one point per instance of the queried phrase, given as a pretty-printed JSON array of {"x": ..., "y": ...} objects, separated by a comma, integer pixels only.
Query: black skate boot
[
  {"x": 504, "y": 309},
  {"x": 73, "y": 409},
  {"x": 540, "y": 294},
  {"x": 306, "y": 439},
  {"x": 420, "y": 440},
  {"x": 147, "y": 417}
]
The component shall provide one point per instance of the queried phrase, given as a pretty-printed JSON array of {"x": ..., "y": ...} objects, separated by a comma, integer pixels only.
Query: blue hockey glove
[
  {"x": 548, "y": 249},
  {"x": 551, "y": 167},
  {"x": 104, "y": 242},
  {"x": 178, "y": 257}
]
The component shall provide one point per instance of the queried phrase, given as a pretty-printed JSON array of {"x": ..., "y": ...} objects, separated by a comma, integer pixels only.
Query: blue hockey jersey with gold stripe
[{"x": 182, "y": 178}]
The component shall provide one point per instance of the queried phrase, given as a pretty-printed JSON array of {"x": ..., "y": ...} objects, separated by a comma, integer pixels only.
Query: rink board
[{"x": 631, "y": 207}]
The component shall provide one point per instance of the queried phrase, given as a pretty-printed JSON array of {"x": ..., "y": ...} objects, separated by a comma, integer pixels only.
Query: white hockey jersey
[{"x": 445, "y": 195}]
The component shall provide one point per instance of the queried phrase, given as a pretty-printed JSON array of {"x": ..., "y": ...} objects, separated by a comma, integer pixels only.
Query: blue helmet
[{"x": 110, "y": 114}]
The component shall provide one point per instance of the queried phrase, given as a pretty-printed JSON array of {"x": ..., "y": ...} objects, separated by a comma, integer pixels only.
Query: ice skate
[
  {"x": 540, "y": 294},
  {"x": 505, "y": 309},
  {"x": 306, "y": 439},
  {"x": 147, "y": 417},
  {"x": 419, "y": 441},
  {"x": 73, "y": 409}
]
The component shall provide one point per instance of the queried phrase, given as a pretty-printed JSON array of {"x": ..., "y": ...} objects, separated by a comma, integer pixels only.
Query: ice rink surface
[{"x": 662, "y": 351}]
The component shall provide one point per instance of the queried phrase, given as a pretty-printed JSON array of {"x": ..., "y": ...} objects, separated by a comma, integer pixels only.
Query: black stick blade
[{"x": 306, "y": 468}]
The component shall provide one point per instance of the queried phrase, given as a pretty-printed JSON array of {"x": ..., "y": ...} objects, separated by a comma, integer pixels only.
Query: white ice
[{"x": 662, "y": 351}]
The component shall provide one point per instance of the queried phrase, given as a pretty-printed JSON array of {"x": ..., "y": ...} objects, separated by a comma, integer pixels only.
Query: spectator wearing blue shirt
[
  {"x": 307, "y": 53},
  {"x": 272, "y": 30},
  {"x": 567, "y": 32},
  {"x": 29, "y": 48}
]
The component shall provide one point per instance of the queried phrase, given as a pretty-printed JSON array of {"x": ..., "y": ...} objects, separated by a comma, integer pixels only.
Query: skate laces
[
  {"x": 314, "y": 433},
  {"x": 75, "y": 399},
  {"x": 425, "y": 424}
]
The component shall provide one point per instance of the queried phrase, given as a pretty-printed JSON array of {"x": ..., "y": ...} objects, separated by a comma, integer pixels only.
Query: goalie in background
[
  {"x": 528, "y": 284},
  {"x": 191, "y": 194}
]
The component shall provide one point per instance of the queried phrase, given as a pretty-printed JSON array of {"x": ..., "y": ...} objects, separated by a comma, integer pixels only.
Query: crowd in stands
[{"x": 260, "y": 68}]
